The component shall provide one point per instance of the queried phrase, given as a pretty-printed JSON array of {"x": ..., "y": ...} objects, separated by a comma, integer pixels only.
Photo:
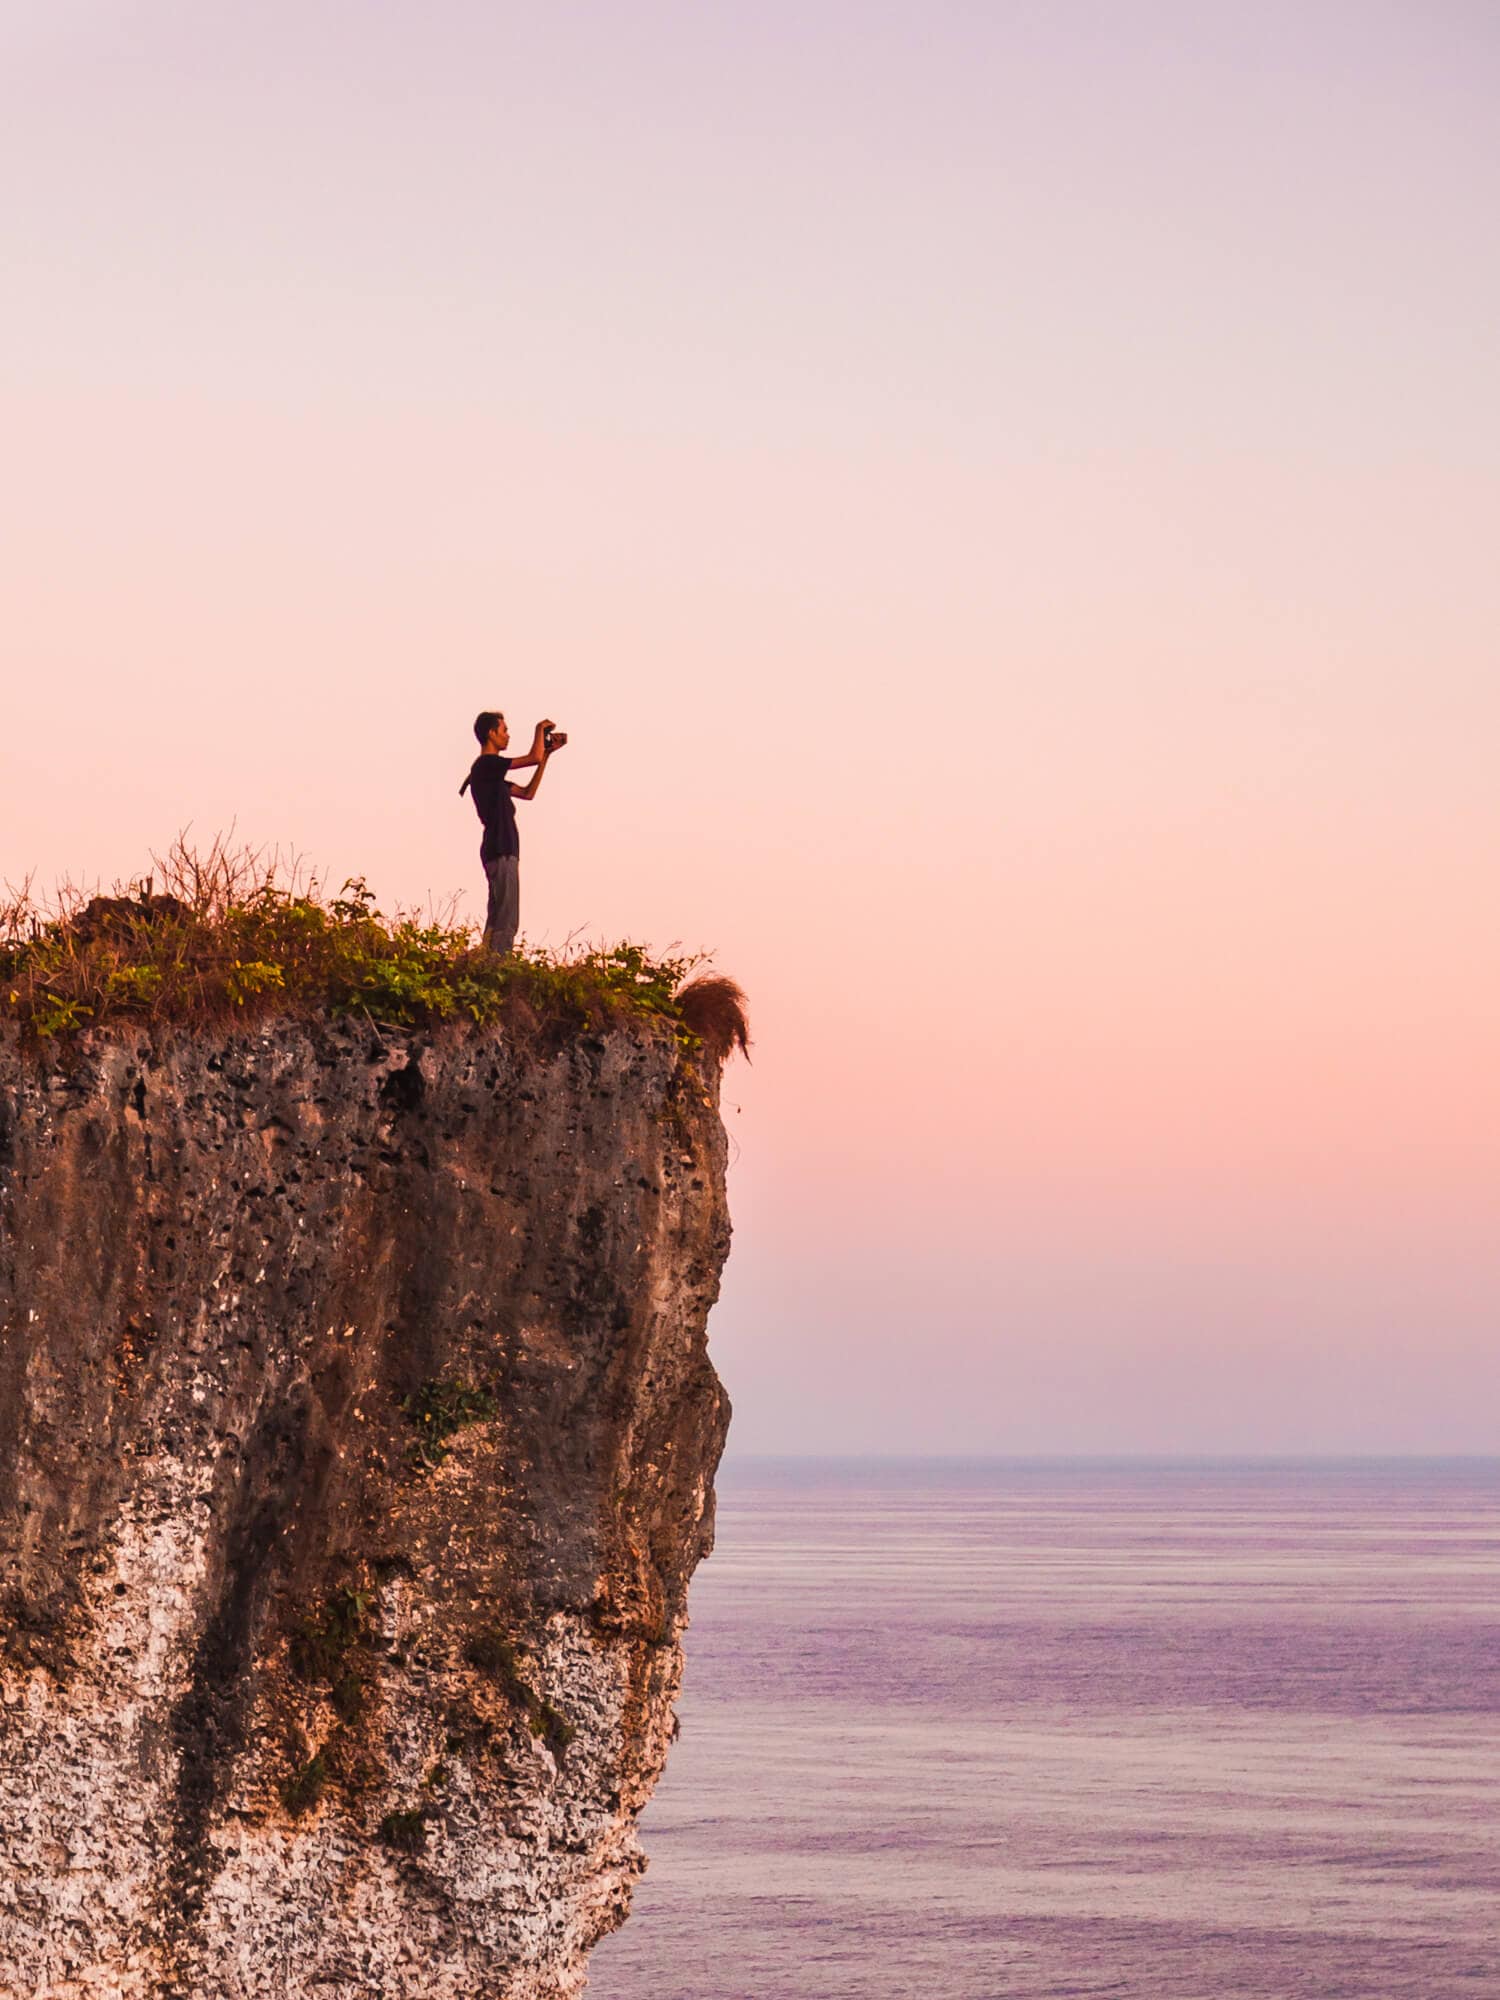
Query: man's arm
[
  {"x": 537, "y": 754},
  {"x": 528, "y": 790}
]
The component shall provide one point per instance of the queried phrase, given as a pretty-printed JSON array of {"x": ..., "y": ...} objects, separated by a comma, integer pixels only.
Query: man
[{"x": 494, "y": 801}]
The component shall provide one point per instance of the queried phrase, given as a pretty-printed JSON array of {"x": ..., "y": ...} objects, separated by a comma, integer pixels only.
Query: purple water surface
[{"x": 1178, "y": 1731}]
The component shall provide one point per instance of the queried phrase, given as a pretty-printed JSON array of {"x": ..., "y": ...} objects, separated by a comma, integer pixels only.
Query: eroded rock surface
[{"x": 357, "y": 1437}]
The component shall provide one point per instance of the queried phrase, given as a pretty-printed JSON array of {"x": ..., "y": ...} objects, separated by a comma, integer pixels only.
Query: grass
[{"x": 230, "y": 936}]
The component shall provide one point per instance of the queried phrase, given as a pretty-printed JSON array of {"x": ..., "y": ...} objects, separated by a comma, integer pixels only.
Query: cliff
[{"x": 357, "y": 1437}]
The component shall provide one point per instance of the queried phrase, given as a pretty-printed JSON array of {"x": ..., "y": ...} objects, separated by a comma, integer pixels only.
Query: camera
[{"x": 551, "y": 738}]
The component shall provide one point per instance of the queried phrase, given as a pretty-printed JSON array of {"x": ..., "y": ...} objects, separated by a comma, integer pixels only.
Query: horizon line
[{"x": 1426, "y": 1457}]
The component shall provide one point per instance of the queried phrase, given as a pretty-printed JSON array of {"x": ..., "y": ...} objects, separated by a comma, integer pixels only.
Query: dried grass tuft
[{"x": 716, "y": 1010}]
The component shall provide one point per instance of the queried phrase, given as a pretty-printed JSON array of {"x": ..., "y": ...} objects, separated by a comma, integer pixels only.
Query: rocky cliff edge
[{"x": 357, "y": 1437}]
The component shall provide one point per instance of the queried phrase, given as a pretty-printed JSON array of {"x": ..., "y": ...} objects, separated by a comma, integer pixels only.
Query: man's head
[{"x": 490, "y": 729}]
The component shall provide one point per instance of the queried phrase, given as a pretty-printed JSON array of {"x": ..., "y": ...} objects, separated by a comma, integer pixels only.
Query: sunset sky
[{"x": 1003, "y": 498}]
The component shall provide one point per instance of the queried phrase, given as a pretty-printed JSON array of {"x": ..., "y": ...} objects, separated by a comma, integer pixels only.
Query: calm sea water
[{"x": 1183, "y": 1732}]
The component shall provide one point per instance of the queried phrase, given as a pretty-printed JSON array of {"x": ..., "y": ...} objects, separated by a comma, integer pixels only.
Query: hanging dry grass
[{"x": 715, "y": 1009}]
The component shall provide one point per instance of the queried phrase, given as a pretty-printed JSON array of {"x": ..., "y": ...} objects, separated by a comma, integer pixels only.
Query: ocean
[{"x": 1182, "y": 1731}]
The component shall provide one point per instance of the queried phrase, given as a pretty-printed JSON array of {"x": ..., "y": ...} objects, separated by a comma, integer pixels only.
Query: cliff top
[{"x": 231, "y": 935}]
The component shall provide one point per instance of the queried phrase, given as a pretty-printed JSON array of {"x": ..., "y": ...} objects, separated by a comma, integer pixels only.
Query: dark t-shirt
[{"x": 495, "y": 806}]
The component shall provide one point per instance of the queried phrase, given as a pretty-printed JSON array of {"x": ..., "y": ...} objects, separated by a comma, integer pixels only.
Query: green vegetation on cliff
[{"x": 228, "y": 935}]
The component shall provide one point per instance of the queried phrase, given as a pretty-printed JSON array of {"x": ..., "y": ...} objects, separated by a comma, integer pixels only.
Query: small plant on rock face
[
  {"x": 304, "y": 1787},
  {"x": 439, "y": 1409},
  {"x": 55, "y": 1016},
  {"x": 496, "y": 1657},
  {"x": 322, "y": 1641},
  {"x": 348, "y": 1695},
  {"x": 136, "y": 983},
  {"x": 406, "y": 1832},
  {"x": 553, "y": 1729}
]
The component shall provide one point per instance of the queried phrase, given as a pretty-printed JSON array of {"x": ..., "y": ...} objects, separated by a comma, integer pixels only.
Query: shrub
[{"x": 233, "y": 935}]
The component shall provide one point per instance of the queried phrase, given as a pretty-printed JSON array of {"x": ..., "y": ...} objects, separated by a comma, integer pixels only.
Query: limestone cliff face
[{"x": 357, "y": 1437}]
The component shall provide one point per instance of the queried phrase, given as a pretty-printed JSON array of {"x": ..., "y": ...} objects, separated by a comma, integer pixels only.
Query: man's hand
[{"x": 540, "y": 748}]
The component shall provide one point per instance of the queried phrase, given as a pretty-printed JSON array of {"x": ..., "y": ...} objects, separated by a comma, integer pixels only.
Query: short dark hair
[{"x": 486, "y": 720}]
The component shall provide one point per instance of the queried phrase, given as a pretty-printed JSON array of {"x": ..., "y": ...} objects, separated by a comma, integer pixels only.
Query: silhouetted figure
[{"x": 495, "y": 802}]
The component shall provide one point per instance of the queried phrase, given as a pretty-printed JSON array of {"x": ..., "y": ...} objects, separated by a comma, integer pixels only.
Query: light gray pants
[{"x": 502, "y": 918}]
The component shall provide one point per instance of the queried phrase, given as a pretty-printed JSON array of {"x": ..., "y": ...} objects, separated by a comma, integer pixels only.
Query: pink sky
[{"x": 1004, "y": 500}]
